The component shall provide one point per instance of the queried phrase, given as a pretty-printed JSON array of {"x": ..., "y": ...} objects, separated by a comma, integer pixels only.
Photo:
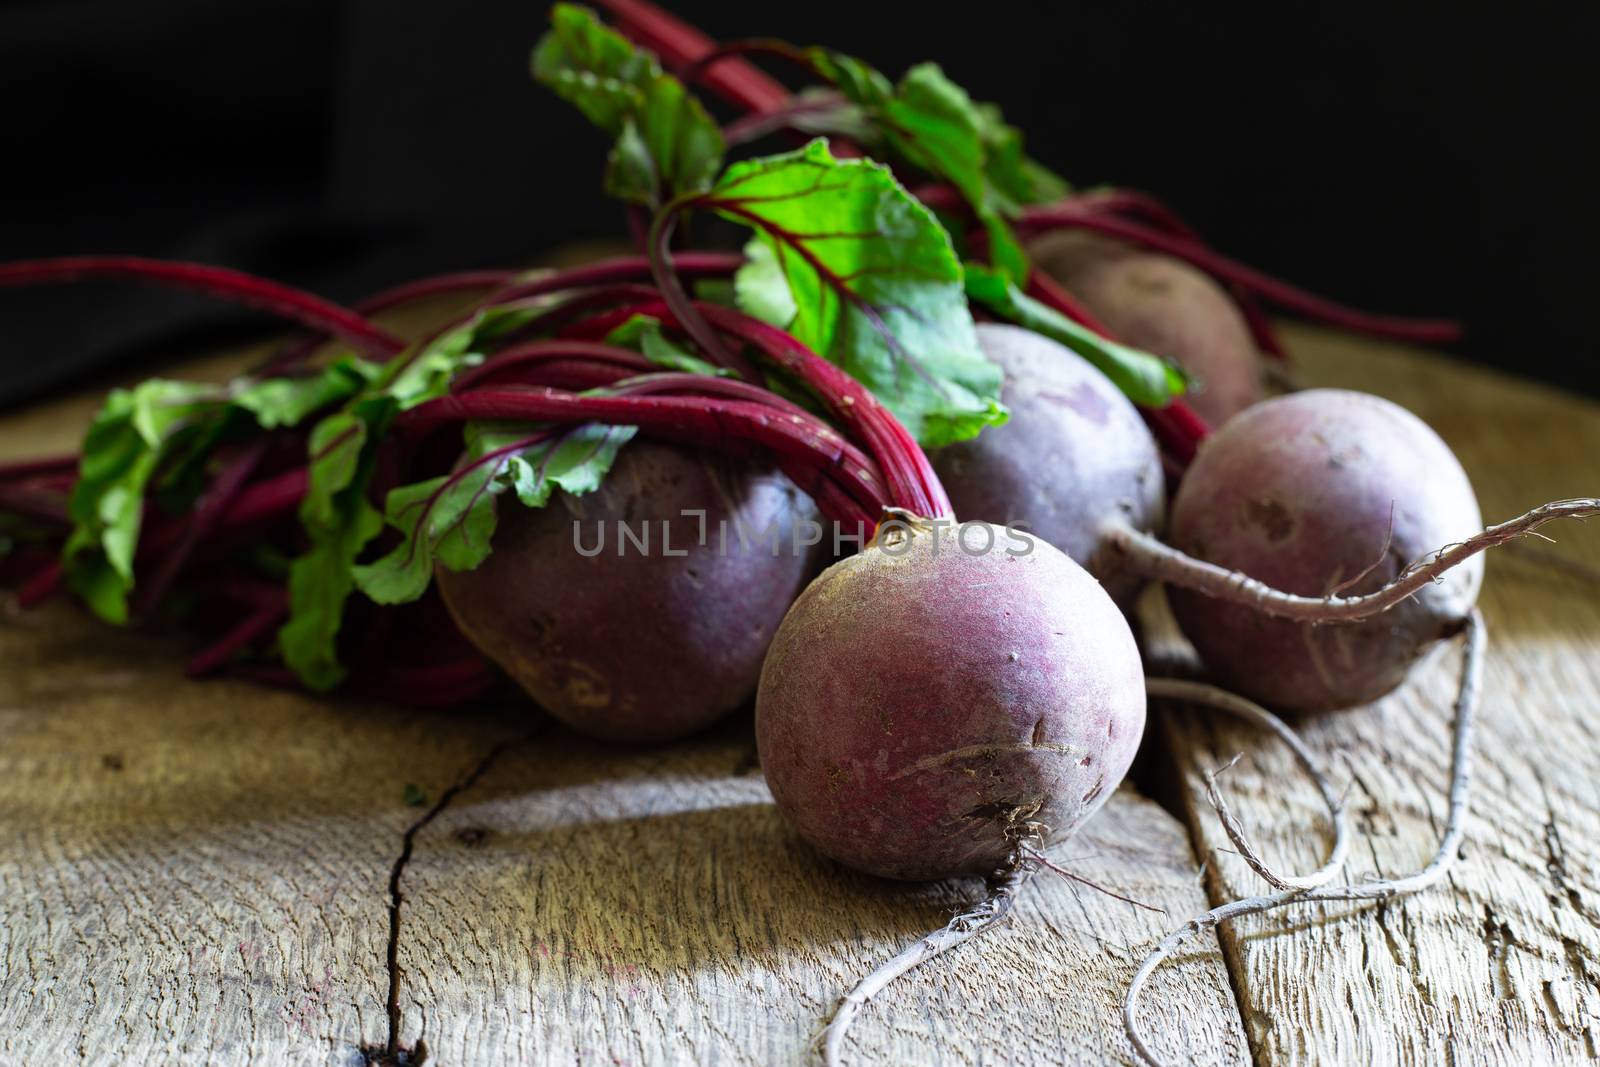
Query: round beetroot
[
  {"x": 635, "y": 646},
  {"x": 1314, "y": 492},
  {"x": 1162, "y": 305},
  {"x": 1074, "y": 455},
  {"x": 927, "y": 704}
]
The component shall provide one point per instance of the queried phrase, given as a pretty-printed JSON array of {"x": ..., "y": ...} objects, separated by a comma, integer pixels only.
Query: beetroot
[
  {"x": 1162, "y": 305},
  {"x": 1073, "y": 456},
  {"x": 641, "y": 645},
  {"x": 926, "y": 709},
  {"x": 1310, "y": 493}
]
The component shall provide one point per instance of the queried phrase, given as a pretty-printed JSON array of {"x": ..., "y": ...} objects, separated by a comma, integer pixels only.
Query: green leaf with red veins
[{"x": 876, "y": 285}]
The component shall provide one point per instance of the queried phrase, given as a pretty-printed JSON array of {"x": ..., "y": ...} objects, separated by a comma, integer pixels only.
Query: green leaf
[
  {"x": 642, "y": 333},
  {"x": 1146, "y": 379},
  {"x": 1016, "y": 177},
  {"x": 937, "y": 127},
  {"x": 156, "y": 441},
  {"x": 287, "y": 401},
  {"x": 122, "y": 451},
  {"x": 336, "y": 515},
  {"x": 664, "y": 138},
  {"x": 451, "y": 520},
  {"x": 762, "y": 288},
  {"x": 859, "y": 81},
  {"x": 876, "y": 285},
  {"x": 340, "y": 523},
  {"x": 931, "y": 123}
]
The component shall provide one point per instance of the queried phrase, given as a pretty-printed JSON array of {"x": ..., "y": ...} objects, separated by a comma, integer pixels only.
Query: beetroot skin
[
  {"x": 920, "y": 707},
  {"x": 1162, "y": 305},
  {"x": 639, "y": 647},
  {"x": 1299, "y": 492},
  {"x": 1073, "y": 456}
]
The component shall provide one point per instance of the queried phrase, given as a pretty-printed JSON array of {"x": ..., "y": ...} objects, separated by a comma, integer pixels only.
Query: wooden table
[{"x": 216, "y": 873}]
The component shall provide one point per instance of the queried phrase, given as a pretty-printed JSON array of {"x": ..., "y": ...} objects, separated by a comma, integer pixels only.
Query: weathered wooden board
[
  {"x": 200, "y": 873},
  {"x": 1503, "y": 964}
]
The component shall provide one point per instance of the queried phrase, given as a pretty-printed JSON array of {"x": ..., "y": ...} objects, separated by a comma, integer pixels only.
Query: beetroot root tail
[{"x": 1438, "y": 866}]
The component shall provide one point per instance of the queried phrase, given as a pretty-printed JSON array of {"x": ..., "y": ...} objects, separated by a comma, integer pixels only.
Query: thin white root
[
  {"x": 1256, "y": 715},
  {"x": 1046, "y": 862},
  {"x": 1159, "y": 561},
  {"x": 1443, "y": 858},
  {"x": 1003, "y": 890}
]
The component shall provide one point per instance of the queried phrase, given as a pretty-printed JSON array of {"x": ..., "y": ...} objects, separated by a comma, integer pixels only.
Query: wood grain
[
  {"x": 193, "y": 872},
  {"x": 652, "y": 907},
  {"x": 1503, "y": 965},
  {"x": 198, "y": 873}
]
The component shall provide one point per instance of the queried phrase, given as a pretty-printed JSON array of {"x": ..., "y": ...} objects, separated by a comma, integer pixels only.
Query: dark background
[{"x": 1402, "y": 159}]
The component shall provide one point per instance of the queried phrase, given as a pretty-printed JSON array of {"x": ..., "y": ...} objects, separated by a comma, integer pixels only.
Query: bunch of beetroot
[{"x": 924, "y": 326}]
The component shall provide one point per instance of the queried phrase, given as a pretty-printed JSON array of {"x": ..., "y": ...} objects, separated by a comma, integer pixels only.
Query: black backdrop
[{"x": 1406, "y": 159}]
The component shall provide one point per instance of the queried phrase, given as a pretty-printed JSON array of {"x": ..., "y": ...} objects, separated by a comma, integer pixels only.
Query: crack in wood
[{"x": 391, "y": 1054}]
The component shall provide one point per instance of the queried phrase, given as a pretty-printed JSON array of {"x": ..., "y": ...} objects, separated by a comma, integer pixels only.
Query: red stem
[
  {"x": 1424, "y": 331},
  {"x": 23, "y": 469},
  {"x": 664, "y": 270},
  {"x": 680, "y": 45},
  {"x": 296, "y": 305},
  {"x": 913, "y": 485},
  {"x": 255, "y": 625},
  {"x": 597, "y": 326},
  {"x": 572, "y": 375},
  {"x": 262, "y": 502},
  {"x": 1047, "y": 290},
  {"x": 758, "y": 124},
  {"x": 622, "y": 364},
  {"x": 535, "y": 352},
  {"x": 832, "y": 498},
  {"x": 907, "y": 473},
  {"x": 34, "y": 503},
  {"x": 1138, "y": 205},
  {"x": 581, "y": 306},
  {"x": 621, "y": 269},
  {"x": 438, "y": 285},
  {"x": 1261, "y": 328},
  {"x": 41, "y": 586},
  {"x": 225, "y": 489},
  {"x": 708, "y": 422},
  {"x": 747, "y": 46}
]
